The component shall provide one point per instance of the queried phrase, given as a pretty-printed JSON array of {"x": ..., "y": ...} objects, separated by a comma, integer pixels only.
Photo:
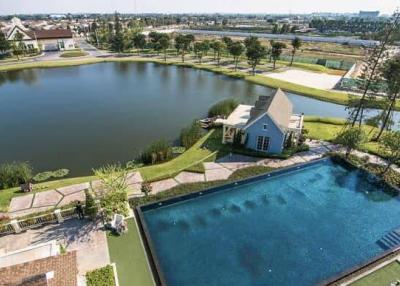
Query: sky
[{"x": 194, "y": 6}]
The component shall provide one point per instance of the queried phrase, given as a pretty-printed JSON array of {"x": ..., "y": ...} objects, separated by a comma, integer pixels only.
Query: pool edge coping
[{"x": 158, "y": 274}]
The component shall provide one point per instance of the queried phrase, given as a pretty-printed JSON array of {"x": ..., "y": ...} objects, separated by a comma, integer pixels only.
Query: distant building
[
  {"x": 44, "y": 40},
  {"x": 266, "y": 127},
  {"x": 368, "y": 14}
]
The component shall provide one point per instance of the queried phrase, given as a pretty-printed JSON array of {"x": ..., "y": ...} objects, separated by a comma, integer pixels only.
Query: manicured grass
[
  {"x": 381, "y": 277},
  {"x": 73, "y": 54},
  {"x": 193, "y": 156},
  {"x": 328, "y": 129},
  {"x": 129, "y": 255}
]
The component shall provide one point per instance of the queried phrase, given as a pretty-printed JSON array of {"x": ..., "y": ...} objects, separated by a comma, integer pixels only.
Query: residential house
[
  {"x": 44, "y": 40},
  {"x": 39, "y": 265},
  {"x": 268, "y": 126}
]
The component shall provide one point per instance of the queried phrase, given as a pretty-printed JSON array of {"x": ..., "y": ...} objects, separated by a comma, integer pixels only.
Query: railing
[{"x": 16, "y": 226}]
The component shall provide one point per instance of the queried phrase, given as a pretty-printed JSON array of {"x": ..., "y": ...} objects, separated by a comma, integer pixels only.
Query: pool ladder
[{"x": 390, "y": 240}]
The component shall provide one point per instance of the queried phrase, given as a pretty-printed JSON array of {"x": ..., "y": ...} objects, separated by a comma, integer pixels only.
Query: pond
[{"x": 87, "y": 116}]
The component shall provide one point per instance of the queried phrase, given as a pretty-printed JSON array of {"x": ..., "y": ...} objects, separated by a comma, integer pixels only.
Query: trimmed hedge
[{"x": 101, "y": 277}]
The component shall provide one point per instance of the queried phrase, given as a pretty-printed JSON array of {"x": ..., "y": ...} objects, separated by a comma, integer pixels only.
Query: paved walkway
[
  {"x": 84, "y": 236},
  {"x": 220, "y": 170}
]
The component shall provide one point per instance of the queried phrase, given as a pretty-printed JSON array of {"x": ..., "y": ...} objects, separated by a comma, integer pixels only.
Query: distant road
[{"x": 338, "y": 40}]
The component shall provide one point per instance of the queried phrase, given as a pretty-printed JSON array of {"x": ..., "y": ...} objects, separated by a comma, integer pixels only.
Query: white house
[
  {"x": 268, "y": 126},
  {"x": 44, "y": 40}
]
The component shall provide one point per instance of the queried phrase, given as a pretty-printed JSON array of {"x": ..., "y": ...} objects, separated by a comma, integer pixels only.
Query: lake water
[{"x": 87, "y": 116}]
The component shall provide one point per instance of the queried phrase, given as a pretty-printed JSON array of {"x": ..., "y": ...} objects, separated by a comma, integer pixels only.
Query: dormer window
[{"x": 265, "y": 127}]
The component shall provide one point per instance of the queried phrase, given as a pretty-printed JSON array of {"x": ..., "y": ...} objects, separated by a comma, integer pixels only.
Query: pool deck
[{"x": 214, "y": 171}]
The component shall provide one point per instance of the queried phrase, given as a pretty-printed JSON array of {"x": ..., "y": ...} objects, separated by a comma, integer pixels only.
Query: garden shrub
[
  {"x": 91, "y": 208},
  {"x": 14, "y": 174},
  {"x": 223, "y": 108},
  {"x": 45, "y": 176},
  {"x": 191, "y": 134},
  {"x": 157, "y": 152},
  {"x": 146, "y": 188},
  {"x": 101, "y": 277}
]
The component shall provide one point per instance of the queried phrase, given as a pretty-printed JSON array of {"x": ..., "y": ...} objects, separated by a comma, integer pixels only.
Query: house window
[
  {"x": 262, "y": 143},
  {"x": 265, "y": 127},
  {"x": 62, "y": 46}
]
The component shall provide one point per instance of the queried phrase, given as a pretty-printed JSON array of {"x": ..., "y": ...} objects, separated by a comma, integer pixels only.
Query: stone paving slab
[
  {"x": 21, "y": 203},
  {"x": 218, "y": 174},
  {"x": 297, "y": 159},
  {"x": 320, "y": 150},
  {"x": 79, "y": 196},
  {"x": 134, "y": 178},
  {"x": 236, "y": 165},
  {"x": 135, "y": 190},
  {"x": 73, "y": 189},
  {"x": 29, "y": 211},
  {"x": 212, "y": 166},
  {"x": 163, "y": 185},
  {"x": 309, "y": 156},
  {"x": 47, "y": 198},
  {"x": 189, "y": 177}
]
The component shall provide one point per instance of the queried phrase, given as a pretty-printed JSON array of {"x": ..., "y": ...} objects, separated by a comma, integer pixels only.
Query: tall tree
[
  {"x": 200, "y": 49},
  {"x": 18, "y": 46},
  {"x": 117, "y": 40},
  {"x": 236, "y": 49},
  {"x": 4, "y": 44},
  {"x": 296, "y": 44},
  {"x": 351, "y": 138},
  {"x": 391, "y": 148},
  {"x": 182, "y": 44},
  {"x": 391, "y": 73},
  {"x": 276, "y": 51},
  {"x": 254, "y": 53},
  {"x": 227, "y": 41},
  {"x": 139, "y": 42},
  {"x": 371, "y": 70},
  {"x": 165, "y": 42},
  {"x": 217, "y": 47}
]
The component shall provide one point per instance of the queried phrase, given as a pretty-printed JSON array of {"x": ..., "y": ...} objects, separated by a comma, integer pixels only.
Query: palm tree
[{"x": 296, "y": 44}]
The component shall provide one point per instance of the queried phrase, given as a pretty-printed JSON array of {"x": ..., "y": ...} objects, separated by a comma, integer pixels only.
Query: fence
[
  {"x": 352, "y": 84},
  {"x": 333, "y": 64},
  {"x": 17, "y": 226}
]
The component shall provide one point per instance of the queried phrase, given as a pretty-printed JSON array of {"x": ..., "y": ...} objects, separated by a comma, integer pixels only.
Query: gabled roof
[
  {"x": 277, "y": 106},
  {"x": 22, "y": 31},
  {"x": 51, "y": 34}
]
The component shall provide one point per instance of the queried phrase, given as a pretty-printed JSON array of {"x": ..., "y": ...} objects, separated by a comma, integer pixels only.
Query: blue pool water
[{"x": 297, "y": 228}]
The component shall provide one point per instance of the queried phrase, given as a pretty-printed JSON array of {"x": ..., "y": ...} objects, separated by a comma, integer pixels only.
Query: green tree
[
  {"x": 117, "y": 40},
  {"x": 182, "y": 44},
  {"x": 390, "y": 146},
  {"x": 14, "y": 174},
  {"x": 165, "y": 42},
  {"x": 351, "y": 138},
  {"x": 391, "y": 74},
  {"x": 236, "y": 49},
  {"x": 91, "y": 208},
  {"x": 18, "y": 46},
  {"x": 296, "y": 44},
  {"x": 227, "y": 41},
  {"x": 217, "y": 47},
  {"x": 139, "y": 42},
  {"x": 4, "y": 44},
  {"x": 254, "y": 53},
  {"x": 200, "y": 49},
  {"x": 112, "y": 189},
  {"x": 276, "y": 51}
]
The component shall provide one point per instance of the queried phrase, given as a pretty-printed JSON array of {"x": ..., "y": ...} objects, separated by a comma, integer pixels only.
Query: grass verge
[
  {"x": 73, "y": 54},
  {"x": 129, "y": 255},
  {"x": 383, "y": 276}
]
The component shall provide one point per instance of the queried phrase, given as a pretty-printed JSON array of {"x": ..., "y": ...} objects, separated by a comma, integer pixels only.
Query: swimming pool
[{"x": 298, "y": 226}]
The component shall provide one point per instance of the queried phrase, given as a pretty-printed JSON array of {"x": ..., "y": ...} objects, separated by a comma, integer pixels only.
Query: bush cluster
[
  {"x": 223, "y": 108},
  {"x": 14, "y": 174},
  {"x": 191, "y": 134},
  {"x": 44, "y": 176},
  {"x": 157, "y": 152},
  {"x": 101, "y": 277}
]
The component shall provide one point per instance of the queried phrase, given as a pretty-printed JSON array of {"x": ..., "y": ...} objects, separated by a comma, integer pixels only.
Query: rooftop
[{"x": 239, "y": 117}]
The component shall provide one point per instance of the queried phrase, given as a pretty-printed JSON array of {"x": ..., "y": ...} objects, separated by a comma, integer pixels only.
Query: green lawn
[
  {"x": 189, "y": 159},
  {"x": 130, "y": 257},
  {"x": 327, "y": 130},
  {"x": 381, "y": 277},
  {"x": 73, "y": 54}
]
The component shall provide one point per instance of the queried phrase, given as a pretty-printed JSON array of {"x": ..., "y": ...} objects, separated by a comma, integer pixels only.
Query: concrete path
[{"x": 84, "y": 236}]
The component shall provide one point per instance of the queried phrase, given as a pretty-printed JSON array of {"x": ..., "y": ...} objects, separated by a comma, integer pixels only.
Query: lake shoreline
[{"x": 337, "y": 97}]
